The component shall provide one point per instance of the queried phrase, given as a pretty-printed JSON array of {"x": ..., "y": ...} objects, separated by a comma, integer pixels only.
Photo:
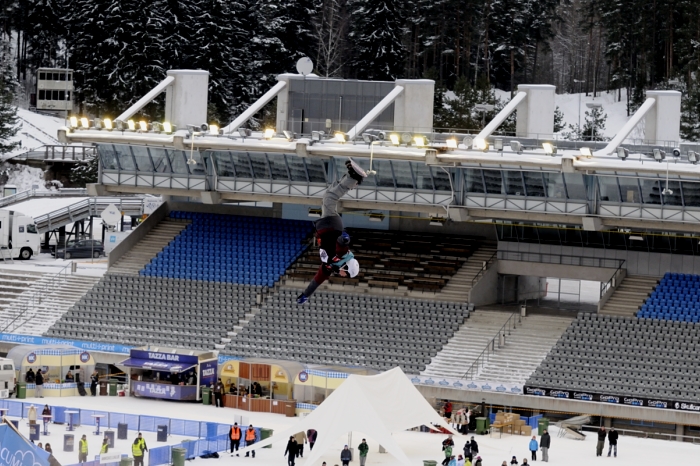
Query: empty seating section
[
  {"x": 677, "y": 297},
  {"x": 136, "y": 310},
  {"x": 348, "y": 329},
  {"x": 389, "y": 259},
  {"x": 625, "y": 356},
  {"x": 231, "y": 249}
]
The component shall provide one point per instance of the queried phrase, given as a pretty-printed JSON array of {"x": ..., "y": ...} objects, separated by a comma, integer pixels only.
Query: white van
[
  {"x": 8, "y": 377},
  {"x": 18, "y": 233}
]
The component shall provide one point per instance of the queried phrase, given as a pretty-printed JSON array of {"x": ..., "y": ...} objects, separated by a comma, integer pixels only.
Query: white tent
[{"x": 375, "y": 405}]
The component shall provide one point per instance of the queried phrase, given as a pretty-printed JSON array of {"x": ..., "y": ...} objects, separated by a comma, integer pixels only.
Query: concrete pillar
[
  {"x": 187, "y": 98},
  {"x": 535, "y": 117},
  {"x": 662, "y": 123},
  {"x": 413, "y": 109},
  {"x": 607, "y": 422},
  {"x": 680, "y": 431},
  {"x": 283, "y": 103}
]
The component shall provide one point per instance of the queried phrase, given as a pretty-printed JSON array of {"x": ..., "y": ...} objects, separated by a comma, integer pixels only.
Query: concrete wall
[
  {"x": 539, "y": 269},
  {"x": 531, "y": 287},
  {"x": 651, "y": 264},
  {"x": 186, "y": 99},
  {"x": 621, "y": 274},
  {"x": 138, "y": 234},
  {"x": 409, "y": 221},
  {"x": 413, "y": 109},
  {"x": 485, "y": 291}
]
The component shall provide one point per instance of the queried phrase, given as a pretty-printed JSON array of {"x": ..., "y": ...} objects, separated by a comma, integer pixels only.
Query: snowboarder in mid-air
[{"x": 334, "y": 242}]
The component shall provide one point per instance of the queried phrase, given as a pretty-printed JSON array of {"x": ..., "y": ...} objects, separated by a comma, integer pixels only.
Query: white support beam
[
  {"x": 145, "y": 100},
  {"x": 627, "y": 129},
  {"x": 255, "y": 108},
  {"x": 501, "y": 117},
  {"x": 374, "y": 113}
]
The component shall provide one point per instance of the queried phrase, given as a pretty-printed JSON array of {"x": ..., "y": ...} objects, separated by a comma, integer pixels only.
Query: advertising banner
[
  {"x": 207, "y": 372},
  {"x": 159, "y": 390},
  {"x": 164, "y": 357},
  {"x": 16, "y": 451},
  {"x": 462, "y": 384}
]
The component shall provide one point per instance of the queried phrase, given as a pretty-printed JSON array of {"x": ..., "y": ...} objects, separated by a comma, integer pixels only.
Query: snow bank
[
  {"x": 35, "y": 131},
  {"x": 44, "y": 205},
  {"x": 25, "y": 177}
]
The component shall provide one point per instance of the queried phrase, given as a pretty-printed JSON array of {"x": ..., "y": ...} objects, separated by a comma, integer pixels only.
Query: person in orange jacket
[{"x": 235, "y": 435}]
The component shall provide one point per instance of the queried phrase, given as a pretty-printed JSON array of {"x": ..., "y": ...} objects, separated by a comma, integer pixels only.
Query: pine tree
[
  {"x": 690, "y": 115},
  {"x": 8, "y": 112},
  {"x": 558, "y": 120},
  {"x": 594, "y": 124},
  {"x": 330, "y": 29},
  {"x": 45, "y": 32},
  {"x": 84, "y": 173},
  {"x": 289, "y": 21},
  {"x": 376, "y": 38}
]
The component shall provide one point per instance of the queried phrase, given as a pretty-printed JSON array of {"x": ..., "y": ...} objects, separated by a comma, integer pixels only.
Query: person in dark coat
[
  {"x": 474, "y": 446},
  {"x": 39, "y": 381},
  {"x": 94, "y": 379},
  {"x": 612, "y": 441},
  {"x": 311, "y": 434},
  {"x": 345, "y": 456},
  {"x": 448, "y": 442},
  {"x": 468, "y": 450},
  {"x": 291, "y": 450},
  {"x": 219, "y": 390},
  {"x": 29, "y": 376},
  {"x": 545, "y": 441},
  {"x": 602, "y": 433}
]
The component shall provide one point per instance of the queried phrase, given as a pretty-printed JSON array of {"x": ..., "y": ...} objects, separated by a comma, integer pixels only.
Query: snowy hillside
[{"x": 36, "y": 131}]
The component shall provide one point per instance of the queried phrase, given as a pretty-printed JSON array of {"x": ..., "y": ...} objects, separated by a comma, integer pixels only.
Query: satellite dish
[
  {"x": 111, "y": 215},
  {"x": 305, "y": 66}
]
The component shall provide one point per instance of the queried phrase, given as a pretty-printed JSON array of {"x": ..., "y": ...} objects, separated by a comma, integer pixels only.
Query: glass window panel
[
  {"x": 61, "y": 95},
  {"x": 675, "y": 198},
  {"x": 574, "y": 186},
  {"x": 424, "y": 179},
  {"x": 241, "y": 162},
  {"x": 371, "y": 180},
  {"x": 555, "y": 185},
  {"x": 143, "y": 161},
  {"x": 475, "y": 183},
  {"x": 42, "y": 95},
  {"x": 160, "y": 160},
  {"x": 442, "y": 179},
  {"x": 126, "y": 161},
  {"x": 691, "y": 194},
  {"x": 108, "y": 156},
  {"x": 384, "y": 177},
  {"x": 198, "y": 168},
  {"x": 42, "y": 76},
  {"x": 223, "y": 164},
  {"x": 278, "y": 167},
  {"x": 534, "y": 185},
  {"x": 259, "y": 163},
  {"x": 402, "y": 174},
  {"x": 178, "y": 160},
  {"x": 494, "y": 181},
  {"x": 651, "y": 192},
  {"x": 316, "y": 169},
  {"x": 54, "y": 95},
  {"x": 514, "y": 183},
  {"x": 297, "y": 172},
  {"x": 608, "y": 189},
  {"x": 629, "y": 189}
]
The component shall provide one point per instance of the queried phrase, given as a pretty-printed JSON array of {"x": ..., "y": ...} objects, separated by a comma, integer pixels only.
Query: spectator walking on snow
[
  {"x": 612, "y": 441},
  {"x": 300, "y": 437},
  {"x": 311, "y": 435},
  {"x": 291, "y": 450}
]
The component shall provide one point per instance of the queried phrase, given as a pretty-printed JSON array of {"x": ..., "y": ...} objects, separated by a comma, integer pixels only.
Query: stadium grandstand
[{"x": 456, "y": 235}]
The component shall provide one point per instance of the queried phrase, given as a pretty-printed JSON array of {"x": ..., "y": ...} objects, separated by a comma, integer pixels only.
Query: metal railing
[
  {"x": 496, "y": 342},
  {"x": 484, "y": 267},
  {"x": 56, "y": 153},
  {"x": 33, "y": 193},
  {"x": 605, "y": 286},
  {"x": 87, "y": 208},
  {"x": 35, "y": 297},
  {"x": 560, "y": 259}
]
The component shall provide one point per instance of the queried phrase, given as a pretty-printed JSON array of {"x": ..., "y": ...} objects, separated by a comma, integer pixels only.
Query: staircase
[
  {"x": 155, "y": 241},
  {"x": 629, "y": 295},
  {"x": 459, "y": 286},
  {"x": 40, "y": 305},
  {"x": 524, "y": 349},
  {"x": 13, "y": 283}
]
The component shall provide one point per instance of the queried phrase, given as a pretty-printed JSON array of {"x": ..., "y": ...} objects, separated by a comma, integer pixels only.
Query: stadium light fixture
[
  {"x": 156, "y": 127},
  {"x": 167, "y": 127},
  {"x": 622, "y": 153},
  {"x": 693, "y": 157},
  {"x": 316, "y": 136},
  {"x": 452, "y": 143},
  {"x": 143, "y": 126},
  {"x": 269, "y": 133},
  {"x": 481, "y": 144},
  {"x": 340, "y": 137},
  {"x": 289, "y": 135},
  {"x": 107, "y": 124},
  {"x": 97, "y": 124},
  {"x": 131, "y": 125},
  {"x": 468, "y": 141},
  {"x": 395, "y": 139},
  {"x": 419, "y": 141},
  {"x": 73, "y": 122},
  {"x": 586, "y": 151},
  {"x": 84, "y": 123},
  {"x": 498, "y": 144},
  {"x": 549, "y": 148},
  {"x": 242, "y": 132},
  {"x": 659, "y": 155},
  {"x": 406, "y": 138},
  {"x": 368, "y": 138},
  {"x": 516, "y": 147},
  {"x": 214, "y": 130}
]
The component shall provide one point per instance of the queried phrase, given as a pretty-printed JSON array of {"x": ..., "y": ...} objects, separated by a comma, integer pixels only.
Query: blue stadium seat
[{"x": 675, "y": 298}]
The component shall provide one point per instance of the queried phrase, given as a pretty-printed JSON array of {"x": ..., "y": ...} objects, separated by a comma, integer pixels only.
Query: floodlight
[
  {"x": 406, "y": 138},
  {"x": 214, "y": 130},
  {"x": 107, "y": 124},
  {"x": 269, "y": 133},
  {"x": 317, "y": 135},
  {"x": 693, "y": 157},
  {"x": 586, "y": 151},
  {"x": 368, "y": 138},
  {"x": 394, "y": 138},
  {"x": 498, "y": 144},
  {"x": 156, "y": 127},
  {"x": 204, "y": 127},
  {"x": 84, "y": 123},
  {"x": 452, "y": 143},
  {"x": 381, "y": 135},
  {"x": 468, "y": 141},
  {"x": 676, "y": 152},
  {"x": 73, "y": 121},
  {"x": 243, "y": 132},
  {"x": 481, "y": 144},
  {"x": 131, "y": 125},
  {"x": 167, "y": 127},
  {"x": 120, "y": 125},
  {"x": 622, "y": 153},
  {"x": 516, "y": 146},
  {"x": 419, "y": 141},
  {"x": 289, "y": 135},
  {"x": 549, "y": 148},
  {"x": 659, "y": 155},
  {"x": 97, "y": 123},
  {"x": 340, "y": 137},
  {"x": 143, "y": 126}
]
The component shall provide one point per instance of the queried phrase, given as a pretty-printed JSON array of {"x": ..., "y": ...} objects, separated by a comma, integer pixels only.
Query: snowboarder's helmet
[{"x": 344, "y": 238}]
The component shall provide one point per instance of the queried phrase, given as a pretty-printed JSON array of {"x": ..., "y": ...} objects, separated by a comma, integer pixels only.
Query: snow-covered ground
[
  {"x": 36, "y": 131},
  {"x": 418, "y": 446},
  {"x": 45, "y": 205},
  {"x": 25, "y": 177},
  {"x": 46, "y": 263}
]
